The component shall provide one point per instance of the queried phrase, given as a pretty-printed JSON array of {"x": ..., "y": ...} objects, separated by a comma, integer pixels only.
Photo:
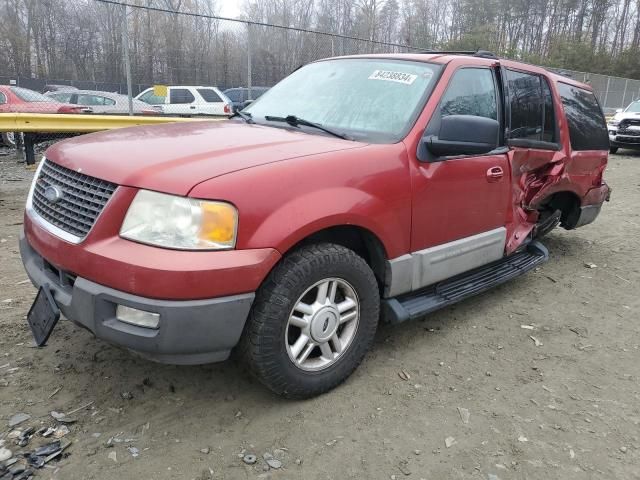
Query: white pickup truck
[
  {"x": 189, "y": 100},
  {"x": 624, "y": 128}
]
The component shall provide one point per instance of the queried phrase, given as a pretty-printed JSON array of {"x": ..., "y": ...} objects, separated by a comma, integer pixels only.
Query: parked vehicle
[
  {"x": 399, "y": 184},
  {"x": 22, "y": 100},
  {"x": 240, "y": 96},
  {"x": 58, "y": 88},
  {"x": 624, "y": 128},
  {"x": 104, "y": 102},
  {"x": 187, "y": 100}
]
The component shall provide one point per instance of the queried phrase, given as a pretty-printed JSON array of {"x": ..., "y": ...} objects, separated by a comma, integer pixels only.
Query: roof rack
[{"x": 476, "y": 53}]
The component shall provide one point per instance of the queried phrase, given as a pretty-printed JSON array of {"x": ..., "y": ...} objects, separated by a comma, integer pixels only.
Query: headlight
[
  {"x": 180, "y": 222},
  {"x": 614, "y": 123}
]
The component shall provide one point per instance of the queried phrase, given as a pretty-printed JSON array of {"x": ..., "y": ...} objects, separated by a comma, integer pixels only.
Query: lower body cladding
[{"x": 188, "y": 332}]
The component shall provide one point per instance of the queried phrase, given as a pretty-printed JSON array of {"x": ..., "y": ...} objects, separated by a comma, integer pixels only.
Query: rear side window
[
  {"x": 587, "y": 126},
  {"x": 531, "y": 108},
  {"x": 3, "y": 99},
  {"x": 181, "y": 95},
  {"x": 209, "y": 95},
  {"x": 471, "y": 91}
]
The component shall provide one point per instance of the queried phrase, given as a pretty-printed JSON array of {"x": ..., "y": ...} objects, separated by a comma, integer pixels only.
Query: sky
[{"x": 230, "y": 8}]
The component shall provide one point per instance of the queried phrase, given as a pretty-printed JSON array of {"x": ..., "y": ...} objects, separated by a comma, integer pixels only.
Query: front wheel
[
  {"x": 312, "y": 322},
  {"x": 613, "y": 149}
]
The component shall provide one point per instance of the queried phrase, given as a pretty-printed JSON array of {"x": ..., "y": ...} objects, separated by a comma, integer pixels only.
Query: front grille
[
  {"x": 629, "y": 123},
  {"x": 80, "y": 200}
]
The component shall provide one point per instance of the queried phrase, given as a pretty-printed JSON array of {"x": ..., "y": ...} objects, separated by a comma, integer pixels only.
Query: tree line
[{"x": 82, "y": 39}]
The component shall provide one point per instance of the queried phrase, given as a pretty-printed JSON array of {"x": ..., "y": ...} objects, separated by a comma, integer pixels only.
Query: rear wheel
[
  {"x": 613, "y": 149},
  {"x": 312, "y": 322}
]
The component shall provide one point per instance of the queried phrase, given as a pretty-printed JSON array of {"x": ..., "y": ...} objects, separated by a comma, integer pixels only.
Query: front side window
[
  {"x": 587, "y": 126},
  {"x": 181, "y": 95},
  {"x": 152, "y": 99},
  {"x": 368, "y": 99},
  {"x": 471, "y": 91},
  {"x": 209, "y": 95}
]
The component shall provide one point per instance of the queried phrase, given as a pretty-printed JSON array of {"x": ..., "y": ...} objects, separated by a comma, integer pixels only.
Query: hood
[{"x": 175, "y": 157}]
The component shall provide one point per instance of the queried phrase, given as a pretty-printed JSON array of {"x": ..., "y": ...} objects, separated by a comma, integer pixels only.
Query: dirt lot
[{"x": 567, "y": 408}]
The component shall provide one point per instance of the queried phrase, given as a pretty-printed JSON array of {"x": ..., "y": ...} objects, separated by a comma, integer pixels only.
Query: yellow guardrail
[{"x": 82, "y": 123}]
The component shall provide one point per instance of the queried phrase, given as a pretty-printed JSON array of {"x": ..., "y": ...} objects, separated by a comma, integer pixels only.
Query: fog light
[{"x": 136, "y": 317}]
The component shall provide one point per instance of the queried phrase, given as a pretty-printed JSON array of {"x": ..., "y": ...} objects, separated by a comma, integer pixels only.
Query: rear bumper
[
  {"x": 189, "y": 332},
  {"x": 592, "y": 204}
]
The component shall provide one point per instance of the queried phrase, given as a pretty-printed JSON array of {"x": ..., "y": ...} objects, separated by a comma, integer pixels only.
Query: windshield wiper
[
  {"x": 297, "y": 121},
  {"x": 245, "y": 116}
]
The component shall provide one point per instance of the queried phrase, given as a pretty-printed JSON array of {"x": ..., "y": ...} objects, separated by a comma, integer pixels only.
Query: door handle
[
  {"x": 192, "y": 107},
  {"x": 494, "y": 174}
]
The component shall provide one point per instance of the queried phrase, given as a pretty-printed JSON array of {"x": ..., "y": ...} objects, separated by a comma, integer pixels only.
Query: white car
[
  {"x": 624, "y": 128},
  {"x": 189, "y": 100}
]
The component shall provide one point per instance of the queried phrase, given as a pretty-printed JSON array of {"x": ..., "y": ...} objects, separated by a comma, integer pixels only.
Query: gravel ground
[{"x": 465, "y": 393}]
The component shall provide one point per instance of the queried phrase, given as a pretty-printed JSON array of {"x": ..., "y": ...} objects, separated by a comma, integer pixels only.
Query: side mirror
[
  {"x": 619, "y": 110},
  {"x": 246, "y": 103},
  {"x": 464, "y": 135}
]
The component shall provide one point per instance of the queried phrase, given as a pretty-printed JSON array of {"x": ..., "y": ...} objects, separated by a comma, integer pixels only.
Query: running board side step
[{"x": 447, "y": 292}]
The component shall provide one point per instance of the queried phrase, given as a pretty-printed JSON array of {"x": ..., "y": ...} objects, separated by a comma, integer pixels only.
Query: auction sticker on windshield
[{"x": 399, "y": 77}]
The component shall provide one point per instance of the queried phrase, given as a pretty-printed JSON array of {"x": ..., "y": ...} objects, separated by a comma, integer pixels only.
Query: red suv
[{"x": 357, "y": 189}]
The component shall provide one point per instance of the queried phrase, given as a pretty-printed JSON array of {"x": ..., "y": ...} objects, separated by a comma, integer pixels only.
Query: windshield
[
  {"x": 29, "y": 95},
  {"x": 633, "y": 108},
  {"x": 368, "y": 99}
]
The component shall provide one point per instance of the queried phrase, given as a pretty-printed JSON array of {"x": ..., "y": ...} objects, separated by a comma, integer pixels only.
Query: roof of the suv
[{"x": 444, "y": 58}]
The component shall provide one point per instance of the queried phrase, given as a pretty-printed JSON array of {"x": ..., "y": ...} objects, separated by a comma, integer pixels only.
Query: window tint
[
  {"x": 532, "y": 116},
  {"x": 549, "y": 130},
  {"x": 181, "y": 95},
  {"x": 587, "y": 127},
  {"x": 471, "y": 91},
  {"x": 152, "y": 99},
  {"x": 209, "y": 95},
  {"x": 525, "y": 101}
]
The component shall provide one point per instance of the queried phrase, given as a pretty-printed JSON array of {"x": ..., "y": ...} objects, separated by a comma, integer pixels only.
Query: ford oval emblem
[{"x": 53, "y": 194}]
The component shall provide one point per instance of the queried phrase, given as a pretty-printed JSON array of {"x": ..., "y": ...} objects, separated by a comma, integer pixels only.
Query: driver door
[{"x": 460, "y": 203}]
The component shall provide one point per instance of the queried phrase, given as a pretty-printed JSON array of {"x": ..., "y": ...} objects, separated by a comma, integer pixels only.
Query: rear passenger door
[
  {"x": 533, "y": 137},
  {"x": 181, "y": 102}
]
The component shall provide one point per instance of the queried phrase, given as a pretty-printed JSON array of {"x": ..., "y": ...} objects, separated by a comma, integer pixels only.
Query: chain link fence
[
  {"x": 612, "y": 92},
  {"x": 113, "y": 47}
]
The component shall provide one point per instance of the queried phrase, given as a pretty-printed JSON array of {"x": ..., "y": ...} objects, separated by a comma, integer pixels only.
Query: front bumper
[
  {"x": 190, "y": 331},
  {"x": 621, "y": 140}
]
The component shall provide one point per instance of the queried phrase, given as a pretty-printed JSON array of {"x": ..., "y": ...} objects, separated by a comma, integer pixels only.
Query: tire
[
  {"x": 269, "y": 345},
  {"x": 9, "y": 139},
  {"x": 613, "y": 150}
]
